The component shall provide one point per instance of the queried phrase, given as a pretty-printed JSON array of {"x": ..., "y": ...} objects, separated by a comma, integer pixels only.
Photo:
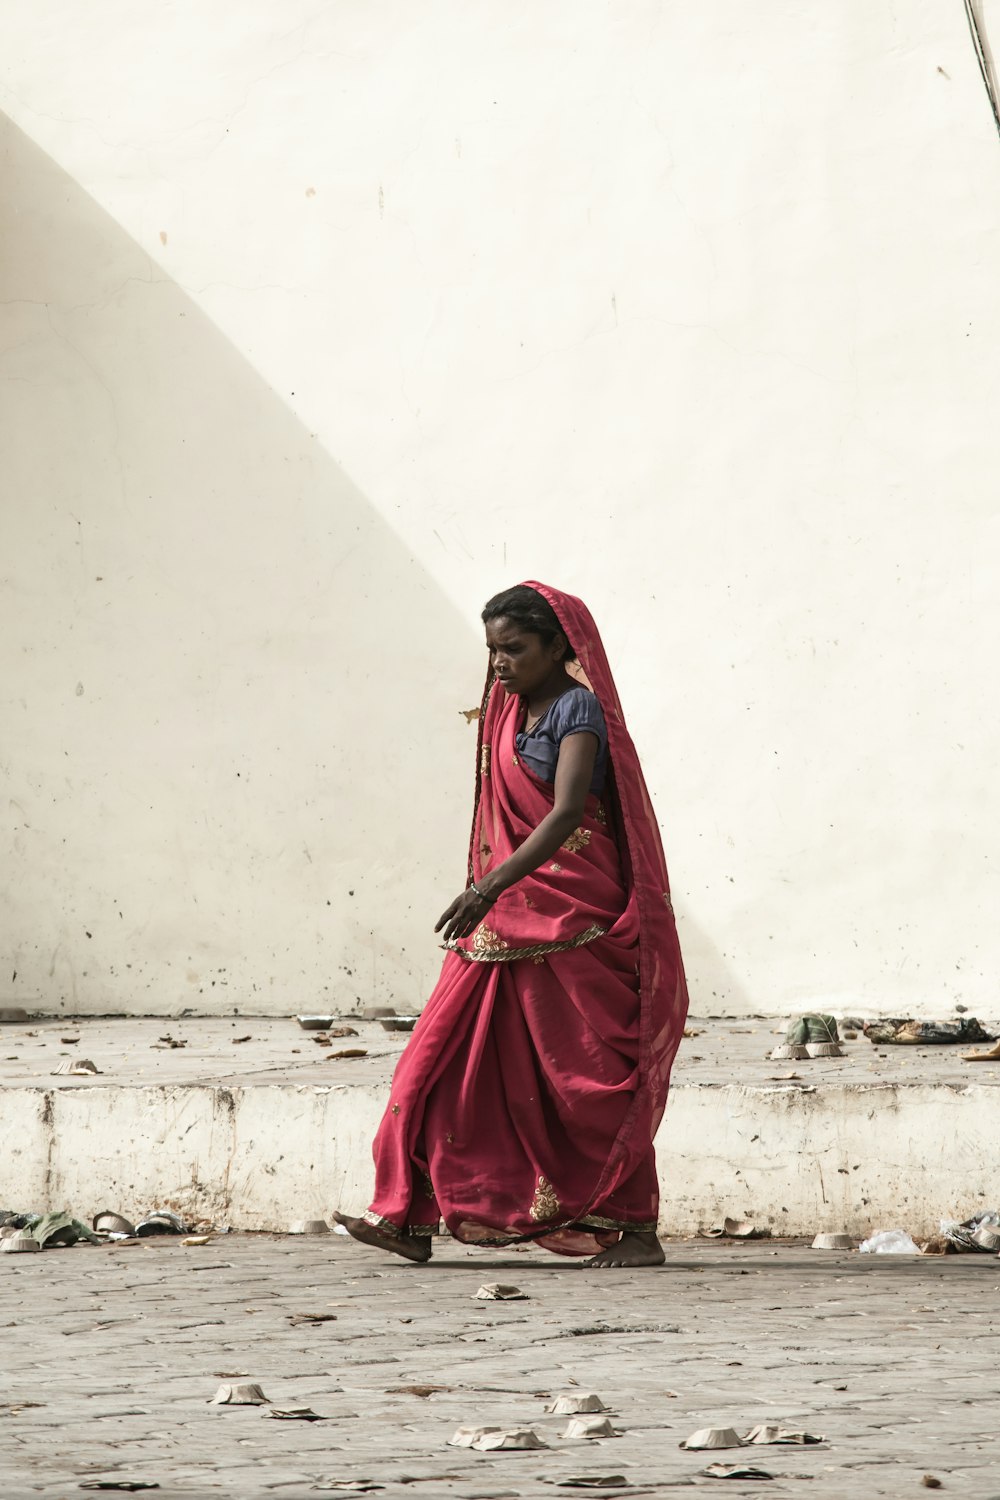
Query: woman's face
[{"x": 520, "y": 659}]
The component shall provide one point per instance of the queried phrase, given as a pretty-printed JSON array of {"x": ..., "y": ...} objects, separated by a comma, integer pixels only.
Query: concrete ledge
[{"x": 866, "y": 1141}]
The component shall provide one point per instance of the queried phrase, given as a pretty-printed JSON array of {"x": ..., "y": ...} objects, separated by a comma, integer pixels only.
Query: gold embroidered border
[
  {"x": 392, "y": 1231},
  {"x": 507, "y": 955},
  {"x": 384, "y": 1226},
  {"x": 595, "y": 1221}
]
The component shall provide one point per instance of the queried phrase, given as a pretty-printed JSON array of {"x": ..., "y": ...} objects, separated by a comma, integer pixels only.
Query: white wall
[{"x": 322, "y": 322}]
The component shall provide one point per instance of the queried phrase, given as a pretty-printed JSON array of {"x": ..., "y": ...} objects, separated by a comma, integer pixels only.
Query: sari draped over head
[{"x": 525, "y": 1105}]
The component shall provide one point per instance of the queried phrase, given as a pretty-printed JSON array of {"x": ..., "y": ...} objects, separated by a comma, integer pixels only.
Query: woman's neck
[{"x": 538, "y": 701}]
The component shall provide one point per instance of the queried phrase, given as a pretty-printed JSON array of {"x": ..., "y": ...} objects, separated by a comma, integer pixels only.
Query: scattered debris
[
  {"x": 736, "y": 1229},
  {"x": 810, "y": 1029},
  {"x": 297, "y": 1319},
  {"x": 246, "y": 1393},
  {"x": 993, "y": 1055},
  {"x": 938, "y": 1245},
  {"x": 168, "y": 1043},
  {"x": 833, "y": 1242},
  {"x": 197, "y": 1239},
  {"x": 498, "y": 1291},
  {"x": 309, "y": 1226},
  {"x": 569, "y": 1403},
  {"x": 111, "y": 1223},
  {"x": 356, "y": 1486},
  {"x": 76, "y": 1067},
  {"x": 713, "y": 1437},
  {"x": 507, "y": 1439},
  {"x": 236, "y": 1040},
  {"x": 130, "y": 1485},
  {"x": 362, "y": 1486},
  {"x": 981, "y": 1232},
  {"x": 160, "y": 1221},
  {"x": 21, "y": 1242},
  {"x": 293, "y": 1414},
  {"x": 594, "y": 1482},
  {"x": 735, "y": 1471},
  {"x": 423, "y": 1391},
  {"x": 905, "y": 1031},
  {"x": 47, "y": 1231},
  {"x": 930, "y": 1481},
  {"x": 764, "y": 1433},
  {"x": 488, "y": 1439},
  {"x": 346, "y": 1052},
  {"x": 809, "y": 1036},
  {"x": 590, "y": 1427},
  {"x": 889, "y": 1242}
]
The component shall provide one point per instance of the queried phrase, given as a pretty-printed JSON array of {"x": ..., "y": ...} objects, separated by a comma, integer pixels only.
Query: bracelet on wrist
[{"x": 481, "y": 894}]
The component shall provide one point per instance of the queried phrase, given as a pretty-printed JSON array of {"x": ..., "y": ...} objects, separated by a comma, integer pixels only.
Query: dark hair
[{"x": 524, "y": 607}]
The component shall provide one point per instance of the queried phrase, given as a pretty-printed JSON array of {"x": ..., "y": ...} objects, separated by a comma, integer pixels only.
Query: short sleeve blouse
[{"x": 574, "y": 712}]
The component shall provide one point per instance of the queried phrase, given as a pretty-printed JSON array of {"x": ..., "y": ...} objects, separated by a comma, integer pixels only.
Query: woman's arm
[{"x": 574, "y": 771}]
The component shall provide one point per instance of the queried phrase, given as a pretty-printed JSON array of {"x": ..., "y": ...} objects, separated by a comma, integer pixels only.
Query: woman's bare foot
[
  {"x": 633, "y": 1249},
  {"x": 409, "y": 1246}
]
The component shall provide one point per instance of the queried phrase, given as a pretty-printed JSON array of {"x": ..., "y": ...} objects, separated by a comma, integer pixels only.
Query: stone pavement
[{"x": 112, "y": 1354}]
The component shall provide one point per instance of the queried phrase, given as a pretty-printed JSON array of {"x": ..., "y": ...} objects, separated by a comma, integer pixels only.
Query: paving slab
[{"x": 115, "y": 1352}]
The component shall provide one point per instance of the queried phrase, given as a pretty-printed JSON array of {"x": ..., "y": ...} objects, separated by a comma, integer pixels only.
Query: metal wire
[{"x": 983, "y": 58}]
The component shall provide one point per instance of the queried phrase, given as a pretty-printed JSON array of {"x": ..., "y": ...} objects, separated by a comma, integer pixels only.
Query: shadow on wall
[{"x": 233, "y": 749}]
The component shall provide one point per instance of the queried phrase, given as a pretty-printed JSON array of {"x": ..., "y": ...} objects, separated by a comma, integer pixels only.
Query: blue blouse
[{"x": 574, "y": 712}]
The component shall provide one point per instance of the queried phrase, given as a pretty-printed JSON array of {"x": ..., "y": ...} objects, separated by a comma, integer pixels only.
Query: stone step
[{"x": 260, "y": 1132}]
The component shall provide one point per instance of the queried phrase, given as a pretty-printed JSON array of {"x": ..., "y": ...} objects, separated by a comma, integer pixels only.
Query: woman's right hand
[{"x": 463, "y": 915}]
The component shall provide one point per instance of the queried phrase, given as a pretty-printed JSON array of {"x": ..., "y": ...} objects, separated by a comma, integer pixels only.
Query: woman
[{"x": 525, "y": 1105}]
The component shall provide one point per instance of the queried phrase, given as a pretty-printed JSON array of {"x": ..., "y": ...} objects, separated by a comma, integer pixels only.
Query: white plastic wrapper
[{"x": 889, "y": 1242}]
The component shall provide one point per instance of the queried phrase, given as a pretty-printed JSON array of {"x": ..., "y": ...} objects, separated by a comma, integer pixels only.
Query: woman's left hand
[{"x": 463, "y": 915}]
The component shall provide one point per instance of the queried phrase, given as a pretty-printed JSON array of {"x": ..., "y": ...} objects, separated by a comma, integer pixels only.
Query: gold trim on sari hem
[
  {"x": 595, "y": 1221},
  {"x": 507, "y": 955},
  {"x": 392, "y": 1231},
  {"x": 384, "y": 1226}
]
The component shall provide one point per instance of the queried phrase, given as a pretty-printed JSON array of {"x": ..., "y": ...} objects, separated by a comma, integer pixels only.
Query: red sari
[{"x": 525, "y": 1105}]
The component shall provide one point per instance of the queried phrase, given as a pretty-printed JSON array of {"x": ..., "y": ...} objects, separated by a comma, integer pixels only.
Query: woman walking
[{"x": 525, "y": 1105}]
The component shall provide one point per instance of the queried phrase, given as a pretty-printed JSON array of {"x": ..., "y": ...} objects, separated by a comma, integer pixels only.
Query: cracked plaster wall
[{"x": 324, "y": 321}]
